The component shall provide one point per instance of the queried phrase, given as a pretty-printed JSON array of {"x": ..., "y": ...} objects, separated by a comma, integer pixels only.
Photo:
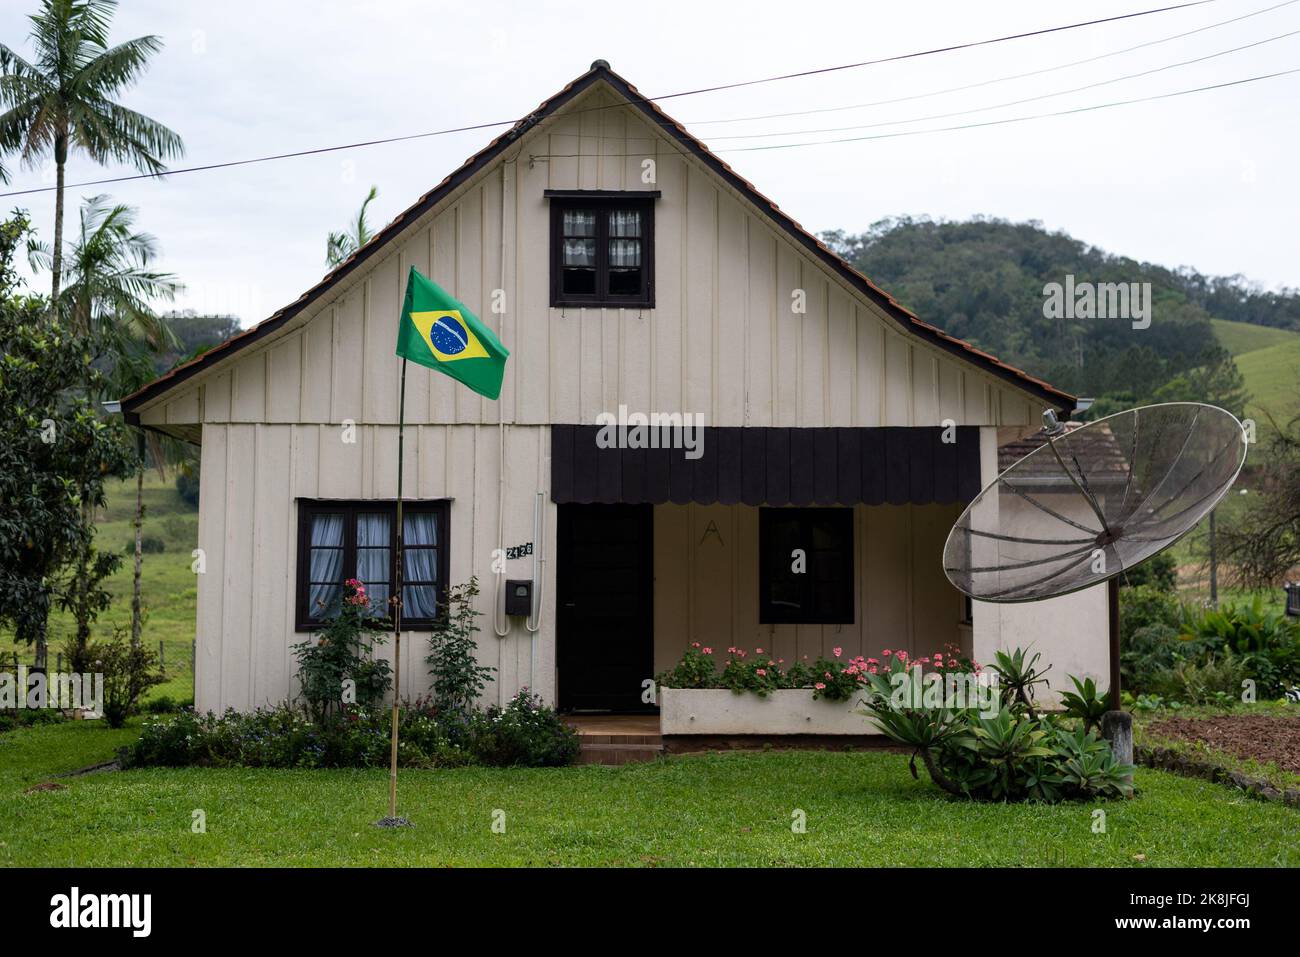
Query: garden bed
[
  {"x": 717, "y": 711},
  {"x": 1264, "y": 738}
]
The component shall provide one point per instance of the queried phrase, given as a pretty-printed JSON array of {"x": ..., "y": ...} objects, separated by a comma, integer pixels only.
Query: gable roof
[{"x": 599, "y": 71}]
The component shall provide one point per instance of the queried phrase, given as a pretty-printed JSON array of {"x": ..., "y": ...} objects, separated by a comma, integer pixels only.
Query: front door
[{"x": 605, "y": 587}]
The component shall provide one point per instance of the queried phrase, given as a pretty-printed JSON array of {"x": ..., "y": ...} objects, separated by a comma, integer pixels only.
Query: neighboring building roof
[
  {"x": 601, "y": 71},
  {"x": 1098, "y": 449}
]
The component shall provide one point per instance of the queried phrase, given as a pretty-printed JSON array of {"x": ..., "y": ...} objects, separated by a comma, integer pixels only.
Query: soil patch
[{"x": 1260, "y": 737}]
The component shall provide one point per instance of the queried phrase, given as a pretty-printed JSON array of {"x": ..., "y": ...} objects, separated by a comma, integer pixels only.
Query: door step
[{"x": 615, "y": 749}]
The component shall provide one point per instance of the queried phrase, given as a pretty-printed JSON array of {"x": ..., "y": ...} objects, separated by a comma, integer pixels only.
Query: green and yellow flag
[{"x": 439, "y": 332}]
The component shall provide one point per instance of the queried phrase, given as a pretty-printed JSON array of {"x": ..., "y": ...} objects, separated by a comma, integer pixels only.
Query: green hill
[
  {"x": 1242, "y": 337},
  {"x": 1273, "y": 378},
  {"x": 984, "y": 281}
]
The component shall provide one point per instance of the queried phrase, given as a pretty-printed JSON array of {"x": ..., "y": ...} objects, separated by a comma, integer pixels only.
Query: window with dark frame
[
  {"x": 602, "y": 248},
  {"x": 339, "y": 540},
  {"x": 805, "y": 566}
]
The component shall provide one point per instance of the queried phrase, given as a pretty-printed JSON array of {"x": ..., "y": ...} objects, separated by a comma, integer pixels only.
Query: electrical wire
[
  {"x": 1028, "y": 99},
  {"x": 995, "y": 80},
  {"x": 726, "y": 86}
]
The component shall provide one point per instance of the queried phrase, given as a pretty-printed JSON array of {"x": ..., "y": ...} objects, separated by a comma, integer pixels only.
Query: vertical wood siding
[{"x": 722, "y": 340}]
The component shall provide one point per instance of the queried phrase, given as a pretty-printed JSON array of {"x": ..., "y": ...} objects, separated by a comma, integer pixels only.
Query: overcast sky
[{"x": 1206, "y": 180}]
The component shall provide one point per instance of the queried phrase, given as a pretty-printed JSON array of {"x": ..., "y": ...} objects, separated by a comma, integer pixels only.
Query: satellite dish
[{"x": 1088, "y": 504}]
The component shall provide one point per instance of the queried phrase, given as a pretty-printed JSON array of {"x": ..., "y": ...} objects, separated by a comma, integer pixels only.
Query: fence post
[{"x": 162, "y": 662}]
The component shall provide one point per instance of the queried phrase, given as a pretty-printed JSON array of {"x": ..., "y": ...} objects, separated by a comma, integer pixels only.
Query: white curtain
[
  {"x": 326, "y": 562},
  {"x": 373, "y": 560},
  {"x": 624, "y": 222},
  {"x": 421, "y": 565}
]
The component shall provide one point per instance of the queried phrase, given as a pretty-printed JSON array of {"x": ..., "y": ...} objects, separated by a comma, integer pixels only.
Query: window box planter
[{"x": 717, "y": 711}]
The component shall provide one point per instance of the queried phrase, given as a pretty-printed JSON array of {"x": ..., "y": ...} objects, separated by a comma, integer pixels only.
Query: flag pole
[{"x": 397, "y": 606}]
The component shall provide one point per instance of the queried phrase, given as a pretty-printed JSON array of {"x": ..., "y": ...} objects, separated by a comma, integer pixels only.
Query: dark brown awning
[{"x": 772, "y": 466}]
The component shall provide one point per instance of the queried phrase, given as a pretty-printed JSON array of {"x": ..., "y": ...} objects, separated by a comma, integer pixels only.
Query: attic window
[{"x": 602, "y": 248}]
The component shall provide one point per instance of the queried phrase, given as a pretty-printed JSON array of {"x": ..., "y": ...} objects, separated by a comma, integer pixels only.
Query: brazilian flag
[{"x": 439, "y": 332}]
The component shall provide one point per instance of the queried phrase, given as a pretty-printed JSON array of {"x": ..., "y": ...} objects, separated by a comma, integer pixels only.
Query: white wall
[{"x": 1071, "y": 631}]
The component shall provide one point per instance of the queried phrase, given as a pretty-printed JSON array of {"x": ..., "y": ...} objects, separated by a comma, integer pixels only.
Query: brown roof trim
[{"x": 905, "y": 318}]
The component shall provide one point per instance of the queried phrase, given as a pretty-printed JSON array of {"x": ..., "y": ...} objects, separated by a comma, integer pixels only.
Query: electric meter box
[{"x": 519, "y": 597}]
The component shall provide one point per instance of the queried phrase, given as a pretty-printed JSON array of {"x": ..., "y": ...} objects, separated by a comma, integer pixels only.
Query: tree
[
  {"x": 64, "y": 100},
  {"x": 340, "y": 246},
  {"x": 112, "y": 285},
  {"x": 1262, "y": 544},
  {"x": 1217, "y": 380},
  {"x": 56, "y": 453},
  {"x": 107, "y": 303}
]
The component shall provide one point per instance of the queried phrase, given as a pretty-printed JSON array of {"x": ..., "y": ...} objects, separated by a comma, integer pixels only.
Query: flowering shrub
[
  {"x": 836, "y": 678},
  {"x": 339, "y": 657},
  {"x": 760, "y": 674},
  {"x": 525, "y": 733}
]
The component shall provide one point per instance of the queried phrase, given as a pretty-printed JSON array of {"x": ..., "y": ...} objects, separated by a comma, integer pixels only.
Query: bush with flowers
[
  {"x": 336, "y": 665},
  {"x": 836, "y": 678}
]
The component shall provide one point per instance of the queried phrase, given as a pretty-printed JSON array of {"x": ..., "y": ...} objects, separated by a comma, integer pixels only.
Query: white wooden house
[{"x": 622, "y": 264}]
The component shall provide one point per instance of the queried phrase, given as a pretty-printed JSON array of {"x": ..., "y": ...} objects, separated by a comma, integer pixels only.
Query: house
[{"x": 631, "y": 273}]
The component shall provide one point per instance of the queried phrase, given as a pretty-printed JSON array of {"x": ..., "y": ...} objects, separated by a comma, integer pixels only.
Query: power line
[
  {"x": 1017, "y": 119},
  {"x": 1028, "y": 99},
  {"x": 727, "y": 86},
  {"x": 995, "y": 80},
  {"x": 950, "y": 129},
  {"x": 947, "y": 49}
]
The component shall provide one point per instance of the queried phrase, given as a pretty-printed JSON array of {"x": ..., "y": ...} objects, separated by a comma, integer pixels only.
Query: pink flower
[
  {"x": 695, "y": 644},
  {"x": 819, "y": 686},
  {"x": 758, "y": 651},
  {"x": 707, "y": 651},
  {"x": 762, "y": 672},
  {"x": 886, "y": 652},
  {"x": 872, "y": 661},
  {"x": 837, "y": 652}
]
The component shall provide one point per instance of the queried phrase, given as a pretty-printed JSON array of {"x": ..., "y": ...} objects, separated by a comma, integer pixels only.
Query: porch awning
[{"x": 772, "y": 466}]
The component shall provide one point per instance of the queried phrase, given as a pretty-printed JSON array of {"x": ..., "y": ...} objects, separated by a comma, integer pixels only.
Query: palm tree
[
  {"x": 63, "y": 101},
  {"x": 340, "y": 246},
  {"x": 111, "y": 286}
]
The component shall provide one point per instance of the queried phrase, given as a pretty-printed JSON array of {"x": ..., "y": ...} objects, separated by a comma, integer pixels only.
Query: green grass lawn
[
  {"x": 863, "y": 809},
  {"x": 169, "y": 588}
]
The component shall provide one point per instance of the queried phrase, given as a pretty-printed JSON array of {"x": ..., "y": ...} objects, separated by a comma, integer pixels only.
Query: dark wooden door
[{"x": 605, "y": 624}]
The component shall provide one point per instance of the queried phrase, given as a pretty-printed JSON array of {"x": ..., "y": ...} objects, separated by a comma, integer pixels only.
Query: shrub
[
  {"x": 1214, "y": 680},
  {"x": 695, "y": 670},
  {"x": 1085, "y": 703},
  {"x": 340, "y": 657},
  {"x": 835, "y": 679},
  {"x": 129, "y": 671},
  {"x": 458, "y": 678},
  {"x": 1266, "y": 643},
  {"x": 761, "y": 674},
  {"x": 1159, "y": 573},
  {"x": 1008, "y": 756},
  {"x": 285, "y": 737},
  {"x": 523, "y": 733}
]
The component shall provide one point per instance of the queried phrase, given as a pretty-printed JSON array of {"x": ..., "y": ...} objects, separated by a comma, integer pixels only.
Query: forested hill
[{"x": 983, "y": 281}]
